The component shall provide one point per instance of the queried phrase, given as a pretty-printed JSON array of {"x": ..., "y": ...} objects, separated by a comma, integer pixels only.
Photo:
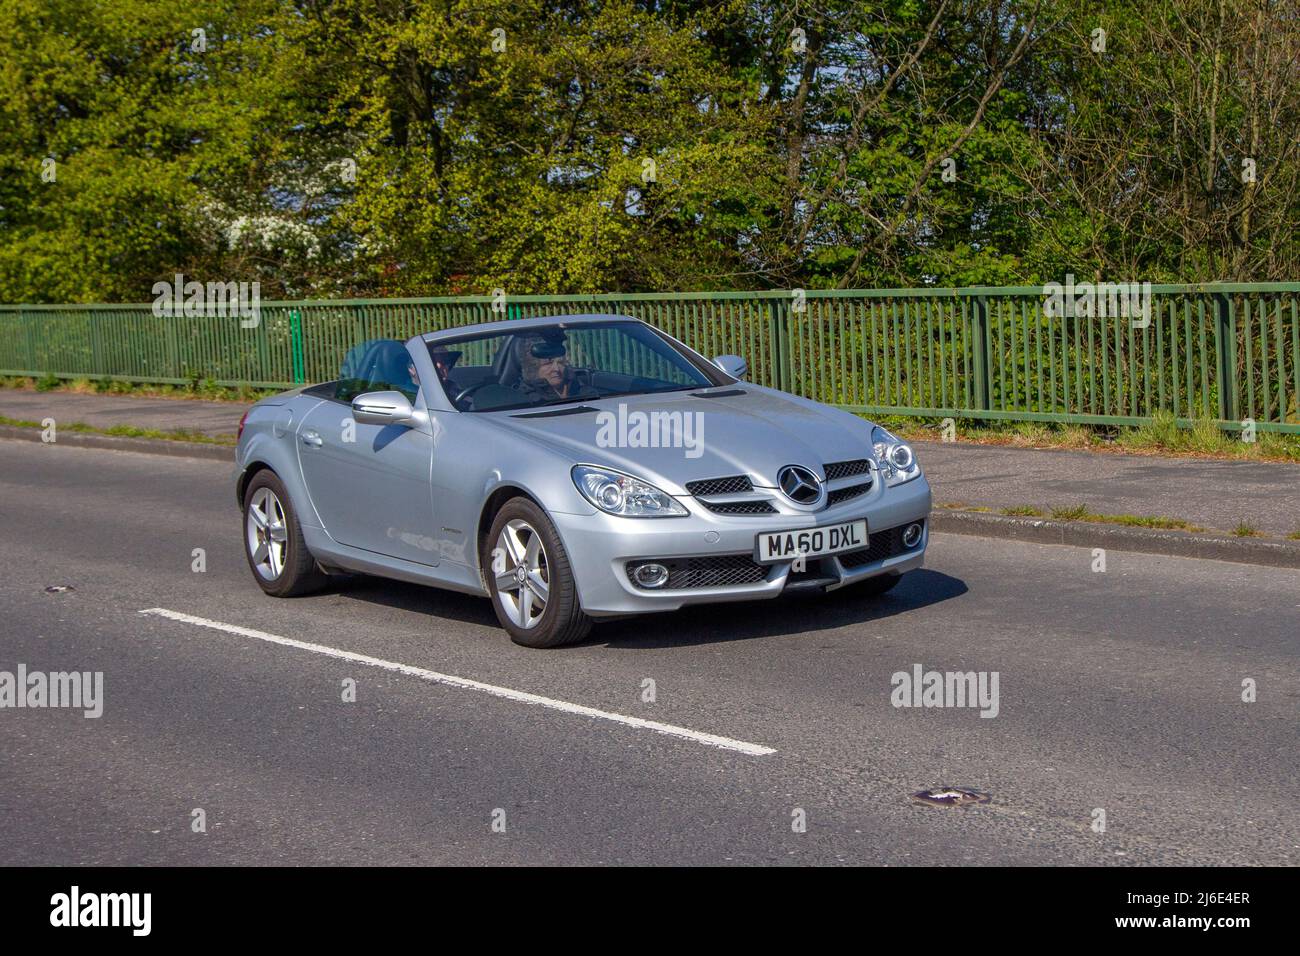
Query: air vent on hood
[
  {"x": 723, "y": 394},
  {"x": 553, "y": 413}
]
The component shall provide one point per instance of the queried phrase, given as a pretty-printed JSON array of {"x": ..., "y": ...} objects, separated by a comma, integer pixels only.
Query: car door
[{"x": 370, "y": 484}]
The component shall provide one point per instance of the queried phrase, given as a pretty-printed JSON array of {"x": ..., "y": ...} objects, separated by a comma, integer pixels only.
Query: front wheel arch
[
  {"x": 495, "y": 502},
  {"x": 562, "y": 621}
]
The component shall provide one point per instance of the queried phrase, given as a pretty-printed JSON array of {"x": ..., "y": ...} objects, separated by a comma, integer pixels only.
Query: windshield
[{"x": 554, "y": 364}]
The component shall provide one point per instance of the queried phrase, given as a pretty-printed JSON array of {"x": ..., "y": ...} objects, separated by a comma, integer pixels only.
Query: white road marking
[{"x": 709, "y": 740}]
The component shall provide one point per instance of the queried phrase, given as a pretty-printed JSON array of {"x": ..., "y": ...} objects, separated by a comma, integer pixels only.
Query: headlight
[
  {"x": 618, "y": 494},
  {"x": 896, "y": 458}
]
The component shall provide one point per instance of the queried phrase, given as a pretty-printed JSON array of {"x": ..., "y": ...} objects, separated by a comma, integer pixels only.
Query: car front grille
[
  {"x": 759, "y": 501},
  {"x": 741, "y": 508},
  {"x": 718, "y": 571},
  {"x": 753, "y": 503},
  {"x": 720, "y": 486},
  {"x": 847, "y": 469},
  {"x": 881, "y": 545},
  {"x": 844, "y": 494}
]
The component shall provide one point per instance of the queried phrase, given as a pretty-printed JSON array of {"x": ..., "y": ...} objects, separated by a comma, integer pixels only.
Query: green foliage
[
  {"x": 112, "y": 386},
  {"x": 368, "y": 148}
]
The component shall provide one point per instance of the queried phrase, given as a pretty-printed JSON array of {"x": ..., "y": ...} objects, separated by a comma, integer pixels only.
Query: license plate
[{"x": 811, "y": 542}]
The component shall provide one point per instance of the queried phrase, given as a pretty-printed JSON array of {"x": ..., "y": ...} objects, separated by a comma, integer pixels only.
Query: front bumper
[{"x": 600, "y": 546}]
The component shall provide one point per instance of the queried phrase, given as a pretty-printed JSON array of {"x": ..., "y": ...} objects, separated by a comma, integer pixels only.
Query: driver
[{"x": 545, "y": 372}]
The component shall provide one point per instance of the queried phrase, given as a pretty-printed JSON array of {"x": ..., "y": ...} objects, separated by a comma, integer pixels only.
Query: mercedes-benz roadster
[{"x": 571, "y": 468}]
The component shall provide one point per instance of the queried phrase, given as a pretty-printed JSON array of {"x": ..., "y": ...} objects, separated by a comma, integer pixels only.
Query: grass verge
[
  {"x": 128, "y": 431},
  {"x": 1159, "y": 522},
  {"x": 206, "y": 389},
  {"x": 1081, "y": 513}
]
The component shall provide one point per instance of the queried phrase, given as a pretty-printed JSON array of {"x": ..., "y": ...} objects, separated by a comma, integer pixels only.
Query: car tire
[
  {"x": 522, "y": 536},
  {"x": 273, "y": 542},
  {"x": 874, "y": 587}
]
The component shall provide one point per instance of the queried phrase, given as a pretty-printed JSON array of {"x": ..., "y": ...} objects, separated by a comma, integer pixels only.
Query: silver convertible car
[{"x": 571, "y": 468}]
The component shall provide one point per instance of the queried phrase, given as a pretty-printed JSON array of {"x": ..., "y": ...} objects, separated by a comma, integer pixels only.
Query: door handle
[{"x": 312, "y": 438}]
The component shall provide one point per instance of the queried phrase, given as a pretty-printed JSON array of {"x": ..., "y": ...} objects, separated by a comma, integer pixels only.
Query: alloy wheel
[
  {"x": 268, "y": 536},
  {"x": 522, "y": 573}
]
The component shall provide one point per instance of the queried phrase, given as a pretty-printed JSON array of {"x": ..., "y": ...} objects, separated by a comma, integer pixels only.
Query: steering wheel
[{"x": 470, "y": 390}]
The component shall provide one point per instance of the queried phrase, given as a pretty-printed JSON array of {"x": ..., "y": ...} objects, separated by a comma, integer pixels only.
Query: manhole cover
[
  {"x": 950, "y": 797},
  {"x": 58, "y": 588}
]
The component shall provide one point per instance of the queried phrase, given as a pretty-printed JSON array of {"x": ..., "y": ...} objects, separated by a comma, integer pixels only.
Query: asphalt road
[{"x": 1118, "y": 690}]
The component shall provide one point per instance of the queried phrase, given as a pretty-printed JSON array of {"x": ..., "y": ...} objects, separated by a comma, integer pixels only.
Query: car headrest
[{"x": 506, "y": 366}]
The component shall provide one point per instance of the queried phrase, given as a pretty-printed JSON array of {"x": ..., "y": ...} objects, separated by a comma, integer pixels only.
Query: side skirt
[{"x": 341, "y": 557}]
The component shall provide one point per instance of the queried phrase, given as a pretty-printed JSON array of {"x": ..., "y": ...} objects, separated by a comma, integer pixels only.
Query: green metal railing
[{"x": 1226, "y": 352}]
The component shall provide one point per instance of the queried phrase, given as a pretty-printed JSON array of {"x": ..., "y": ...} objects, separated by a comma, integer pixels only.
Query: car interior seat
[{"x": 506, "y": 364}]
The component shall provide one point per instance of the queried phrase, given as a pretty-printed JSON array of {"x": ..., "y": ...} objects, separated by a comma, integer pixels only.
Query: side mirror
[
  {"x": 382, "y": 408},
  {"x": 733, "y": 365}
]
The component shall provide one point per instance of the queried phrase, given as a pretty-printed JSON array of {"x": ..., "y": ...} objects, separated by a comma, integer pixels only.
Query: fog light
[
  {"x": 650, "y": 575},
  {"x": 911, "y": 536}
]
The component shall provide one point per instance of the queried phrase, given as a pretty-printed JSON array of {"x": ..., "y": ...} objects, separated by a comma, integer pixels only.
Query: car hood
[{"x": 745, "y": 430}]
